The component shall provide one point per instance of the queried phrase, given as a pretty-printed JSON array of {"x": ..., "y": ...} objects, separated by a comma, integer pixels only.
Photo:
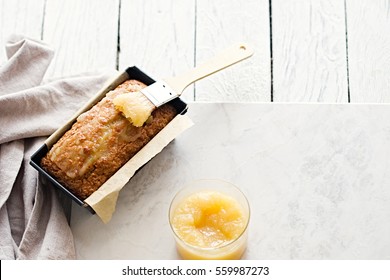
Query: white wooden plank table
[
  {"x": 158, "y": 37},
  {"x": 305, "y": 51},
  {"x": 83, "y": 35},
  {"x": 368, "y": 50},
  {"x": 309, "y": 51}
]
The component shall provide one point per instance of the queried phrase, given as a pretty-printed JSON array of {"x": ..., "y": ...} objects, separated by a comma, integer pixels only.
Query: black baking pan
[{"x": 130, "y": 73}]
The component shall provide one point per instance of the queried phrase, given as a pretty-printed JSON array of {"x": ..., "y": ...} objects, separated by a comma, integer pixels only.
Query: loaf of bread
[{"x": 100, "y": 142}]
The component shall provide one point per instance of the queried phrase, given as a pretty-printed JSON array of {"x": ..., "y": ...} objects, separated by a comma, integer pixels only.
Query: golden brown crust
[{"x": 100, "y": 142}]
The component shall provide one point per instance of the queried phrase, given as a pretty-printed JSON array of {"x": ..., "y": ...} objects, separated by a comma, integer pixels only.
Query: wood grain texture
[
  {"x": 21, "y": 17},
  {"x": 83, "y": 33},
  {"x": 309, "y": 51},
  {"x": 222, "y": 23},
  {"x": 158, "y": 37},
  {"x": 368, "y": 25}
]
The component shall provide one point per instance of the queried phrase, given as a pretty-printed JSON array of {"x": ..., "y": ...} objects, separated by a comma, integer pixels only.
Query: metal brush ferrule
[{"x": 159, "y": 93}]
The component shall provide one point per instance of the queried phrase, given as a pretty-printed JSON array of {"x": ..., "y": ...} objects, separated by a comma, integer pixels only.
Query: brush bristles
[{"x": 136, "y": 107}]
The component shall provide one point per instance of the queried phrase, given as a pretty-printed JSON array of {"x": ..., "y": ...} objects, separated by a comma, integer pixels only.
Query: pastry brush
[{"x": 137, "y": 107}]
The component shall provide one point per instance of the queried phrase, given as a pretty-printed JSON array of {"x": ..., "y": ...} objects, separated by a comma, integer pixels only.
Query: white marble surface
[{"x": 317, "y": 177}]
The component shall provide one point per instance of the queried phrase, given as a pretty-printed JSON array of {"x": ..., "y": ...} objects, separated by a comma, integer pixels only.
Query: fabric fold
[{"x": 27, "y": 63}]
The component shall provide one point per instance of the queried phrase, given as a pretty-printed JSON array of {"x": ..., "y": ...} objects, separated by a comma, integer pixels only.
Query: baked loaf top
[{"x": 100, "y": 142}]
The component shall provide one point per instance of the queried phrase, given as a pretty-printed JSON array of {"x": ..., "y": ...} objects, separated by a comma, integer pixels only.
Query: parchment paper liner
[{"x": 103, "y": 201}]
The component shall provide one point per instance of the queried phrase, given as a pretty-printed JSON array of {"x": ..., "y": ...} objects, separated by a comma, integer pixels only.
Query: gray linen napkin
[{"x": 32, "y": 222}]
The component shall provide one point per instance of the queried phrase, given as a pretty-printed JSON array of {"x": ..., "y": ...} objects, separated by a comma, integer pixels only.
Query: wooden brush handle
[{"x": 222, "y": 60}]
